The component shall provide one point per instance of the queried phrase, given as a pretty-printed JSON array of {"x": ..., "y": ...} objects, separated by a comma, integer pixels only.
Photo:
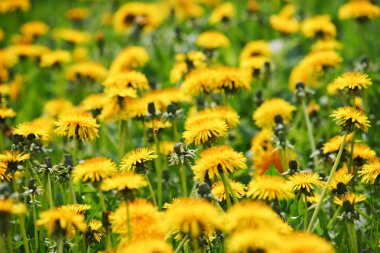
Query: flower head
[
  {"x": 76, "y": 208},
  {"x": 264, "y": 115},
  {"x": 87, "y": 69},
  {"x": 193, "y": 216},
  {"x": 212, "y": 40},
  {"x": 62, "y": 222},
  {"x": 34, "y": 28},
  {"x": 56, "y": 57},
  {"x": 225, "y": 113},
  {"x": 219, "y": 192},
  {"x": 94, "y": 170},
  {"x": 77, "y": 13},
  {"x": 370, "y": 172},
  {"x": 350, "y": 119},
  {"x": 255, "y": 49},
  {"x": 334, "y": 143},
  {"x": 353, "y": 81},
  {"x": 270, "y": 188},
  {"x": 362, "y": 152},
  {"x": 203, "y": 131},
  {"x": 123, "y": 182},
  {"x": 305, "y": 242},
  {"x": 6, "y": 113},
  {"x": 95, "y": 231},
  {"x": 137, "y": 159},
  {"x": 359, "y": 10},
  {"x": 149, "y": 245},
  {"x": 9, "y": 206},
  {"x": 305, "y": 182},
  {"x": 12, "y": 159},
  {"x": 71, "y": 35},
  {"x": 318, "y": 26},
  {"x": 351, "y": 197},
  {"x": 132, "y": 57},
  {"x": 222, "y": 13},
  {"x": 31, "y": 130},
  {"x": 216, "y": 160},
  {"x": 131, "y": 79},
  {"x": 77, "y": 123}
]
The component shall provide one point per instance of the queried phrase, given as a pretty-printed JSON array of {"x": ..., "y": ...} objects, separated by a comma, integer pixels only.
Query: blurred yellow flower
[{"x": 94, "y": 170}]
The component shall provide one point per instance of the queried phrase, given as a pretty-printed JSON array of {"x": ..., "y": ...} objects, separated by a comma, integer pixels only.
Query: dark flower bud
[
  {"x": 204, "y": 189},
  {"x": 278, "y": 119},
  {"x": 322, "y": 175},
  {"x": 341, "y": 188},
  {"x": 47, "y": 162},
  {"x": 68, "y": 160},
  {"x": 171, "y": 108},
  {"x": 179, "y": 148},
  {"x": 200, "y": 103},
  {"x": 300, "y": 85},
  {"x": 348, "y": 208},
  {"x": 293, "y": 166},
  {"x": 152, "y": 108}
]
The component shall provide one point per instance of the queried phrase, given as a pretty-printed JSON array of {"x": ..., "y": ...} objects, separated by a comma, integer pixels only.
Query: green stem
[
  {"x": 310, "y": 134},
  {"x": 35, "y": 227},
  {"x": 231, "y": 190},
  {"x": 325, "y": 189},
  {"x": 180, "y": 245},
  {"x": 182, "y": 170},
  {"x": 151, "y": 190},
  {"x": 128, "y": 220},
  {"x": 119, "y": 137},
  {"x": 60, "y": 245},
  {"x": 333, "y": 218},
  {"x": 49, "y": 191},
  {"x": 9, "y": 241},
  {"x": 351, "y": 161},
  {"x": 2, "y": 141},
  {"x": 368, "y": 218},
  {"x": 158, "y": 166},
  {"x": 24, "y": 235},
  {"x": 195, "y": 245},
  {"x": 228, "y": 198},
  {"x": 305, "y": 213},
  {"x": 175, "y": 130},
  {"x": 75, "y": 149},
  {"x": 102, "y": 202},
  {"x": 72, "y": 190},
  {"x": 283, "y": 159},
  {"x": 352, "y": 234}
]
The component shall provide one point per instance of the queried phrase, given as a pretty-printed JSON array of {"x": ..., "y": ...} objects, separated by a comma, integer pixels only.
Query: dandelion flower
[
  {"x": 87, "y": 69},
  {"x": 225, "y": 113},
  {"x": 360, "y": 10},
  {"x": 204, "y": 131},
  {"x": 144, "y": 220},
  {"x": 339, "y": 177},
  {"x": 54, "y": 58},
  {"x": 351, "y": 197},
  {"x": 149, "y": 245},
  {"x": 123, "y": 182},
  {"x": 34, "y": 28},
  {"x": 350, "y": 119},
  {"x": 30, "y": 130},
  {"x": 222, "y": 13},
  {"x": 193, "y": 216},
  {"x": 199, "y": 81},
  {"x": 255, "y": 49},
  {"x": 57, "y": 106},
  {"x": 13, "y": 158},
  {"x": 254, "y": 240},
  {"x": 212, "y": 40},
  {"x": 218, "y": 189},
  {"x": 264, "y": 115},
  {"x": 254, "y": 215},
  {"x": 269, "y": 188},
  {"x": 94, "y": 170},
  {"x": 306, "y": 242},
  {"x": 353, "y": 81},
  {"x": 129, "y": 58},
  {"x": 305, "y": 182},
  {"x": 8, "y": 206},
  {"x": 318, "y": 26},
  {"x": 334, "y": 143},
  {"x": 370, "y": 172},
  {"x": 95, "y": 231},
  {"x": 362, "y": 152},
  {"x": 231, "y": 79},
  {"x": 216, "y": 160},
  {"x": 61, "y": 222},
  {"x": 132, "y": 79},
  {"x": 77, "y": 13},
  {"x": 137, "y": 159},
  {"x": 76, "y": 208},
  {"x": 71, "y": 35},
  {"x": 6, "y": 113},
  {"x": 78, "y": 124}
]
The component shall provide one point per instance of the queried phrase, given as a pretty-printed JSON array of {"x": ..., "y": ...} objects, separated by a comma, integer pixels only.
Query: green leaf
[{"x": 272, "y": 171}]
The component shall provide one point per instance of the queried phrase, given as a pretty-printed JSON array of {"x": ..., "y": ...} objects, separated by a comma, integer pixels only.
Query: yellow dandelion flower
[
  {"x": 199, "y": 81},
  {"x": 34, "y": 28},
  {"x": 94, "y": 170},
  {"x": 120, "y": 91},
  {"x": 306, "y": 242},
  {"x": 57, "y": 106},
  {"x": 255, "y": 63},
  {"x": 193, "y": 216},
  {"x": 334, "y": 143},
  {"x": 225, "y": 113},
  {"x": 353, "y": 81},
  {"x": 133, "y": 79},
  {"x": 362, "y": 151},
  {"x": 186, "y": 9},
  {"x": 255, "y": 49},
  {"x": 80, "y": 124},
  {"x": 7, "y": 58},
  {"x": 204, "y": 130},
  {"x": 320, "y": 60},
  {"x": 305, "y": 182},
  {"x": 71, "y": 35},
  {"x": 370, "y": 172},
  {"x": 216, "y": 160},
  {"x": 56, "y": 57},
  {"x": 350, "y": 118},
  {"x": 95, "y": 231},
  {"x": 144, "y": 220},
  {"x": 77, "y": 13},
  {"x": 231, "y": 79},
  {"x": 58, "y": 220},
  {"x": 218, "y": 189},
  {"x": 28, "y": 50},
  {"x": 13, "y": 158},
  {"x": 285, "y": 25},
  {"x": 318, "y": 26},
  {"x": 123, "y": 182},
  {"x": 157, "y": 124},
  {"x": 30, "y": 130},
  {"x": 137, "y": 159},
  {"x": 313, "y": 199},
  {"x": 264, "y": 115},
  {"x": 270, "y": 188},
  {"x": 5, "y": 175},
  {"x": 149, "y": 245},
  {"x": 13, "y": 5},
  {"x": 129, "y": 58},
  {"x": 360, "y": 10},
  {"x": 76, "y": 208},
  {"x": 212, "y": 40},
  {"x": 265, "y": 240},
  {"x": 222, "y": 13},
  {"x": 262, "y": 141},
  {"x": 80, "y": 54},
  {"x": 8, "y": 206},
  {"x": 6, "y": 113},
  {"x": 326, "y": 45},
  {"x": 95, "y": 102},
  {"x": 340, "y": 178},
  {"x": 87, "y": 69},
  {"x": 255, "y": 215},
  {"x": 351, "y": 197}
]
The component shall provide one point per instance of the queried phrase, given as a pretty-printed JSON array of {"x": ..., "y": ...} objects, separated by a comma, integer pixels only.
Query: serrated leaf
[{"x": 272, "y": 171}]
